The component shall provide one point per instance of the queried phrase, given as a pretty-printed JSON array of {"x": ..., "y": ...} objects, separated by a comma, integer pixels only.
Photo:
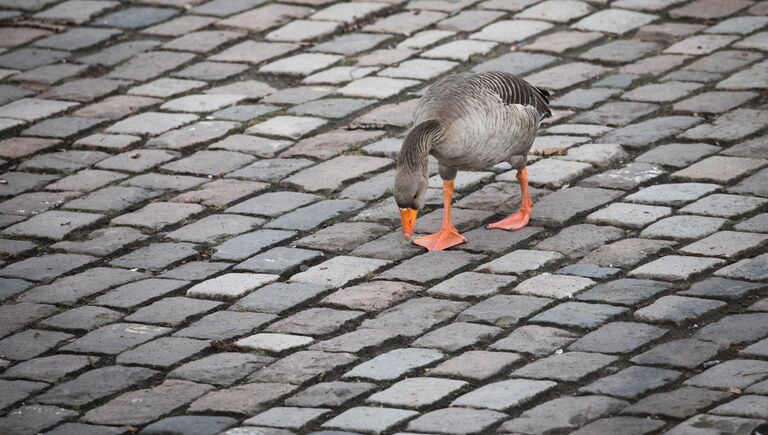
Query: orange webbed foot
[
  {"x": 513, "y": 222},
  {"x": 441, "y": 240}
]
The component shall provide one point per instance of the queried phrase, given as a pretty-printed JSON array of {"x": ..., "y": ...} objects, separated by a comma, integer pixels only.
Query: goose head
[
  {"x": 410, "y": 190},
  {"x": 412, "y": 174}
]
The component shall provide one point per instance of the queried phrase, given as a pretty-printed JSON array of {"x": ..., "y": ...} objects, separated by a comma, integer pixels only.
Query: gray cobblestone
[
  {"x": 221, "y": 369},
  {"x": 415, "y": 316},
  {"x": 457, "y": 336},
  {"x": 618, "y": 337},
  {"x": 685, "y": 353},
  {"x": 675, "y": 267},
  {"x": 504, "y": 395},
  {"x": 31, "y": 419},
  {"x": 476, "y": 365},
  {"x": 370, "y": 419},
  {"x": 329, "y": 394},
  {"x": 224, "y": 325},
  {"x": 96, "y": 384},
  {"x": 579, "y": 315},
  {"x": 680, "y": 403},
  {"x": 139, "y": 292},
  {"x": 304, "y": 366},
  {"x": 392, "y": 365},
  {"x": 279, "y": 297},
  {"x": 188, "y": 129},
  {"x": 725, "y": 331},
  {"x": 417, "y": 392},
  {"x": 624, "y": 291},
  {"x": 51, "y": 368},
  {"x": 564, "y": 413}
]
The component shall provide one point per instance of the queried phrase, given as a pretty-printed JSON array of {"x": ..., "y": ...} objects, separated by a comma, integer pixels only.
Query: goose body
[
  {"x": 487, "y": 118},
  {"x": 468, "y": 121}
]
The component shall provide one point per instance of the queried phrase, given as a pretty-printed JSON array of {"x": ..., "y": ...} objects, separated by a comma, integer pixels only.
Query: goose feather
[{"x": 486, "y": 118}]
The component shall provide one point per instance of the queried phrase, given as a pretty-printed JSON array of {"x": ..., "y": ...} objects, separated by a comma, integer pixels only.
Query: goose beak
[{"x": 408, "y": 218}]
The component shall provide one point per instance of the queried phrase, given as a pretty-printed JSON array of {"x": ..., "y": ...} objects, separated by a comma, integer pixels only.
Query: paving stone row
[{"x": 198, "y": 234}]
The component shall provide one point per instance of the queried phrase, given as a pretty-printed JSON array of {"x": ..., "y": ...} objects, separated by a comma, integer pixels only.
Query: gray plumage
[{"x": 470, "y": 121}]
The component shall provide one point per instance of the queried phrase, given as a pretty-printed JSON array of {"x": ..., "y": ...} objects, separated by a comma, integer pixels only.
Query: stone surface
[
  {"x": 417, "y": 392},
  {"x": 679, "y": 403},
  {"x": 339, "y": 271},
  {"x": 221, "y": 369},
  {"x": 559, "y": 207},
  {"x": 632, "y": 382},
  {"x": 372, "y": 296},
  {"x": 329, "y": 394},
  {"x": 457, "y": 336},
  {"x": 369, "y": 419},
  {"x": 683, "y": 227},
  {"x": 614, "y": 21},
  {"x": 231, "y": 285},
  {"x": 675, "y": 267},
  {"x": 445, "y": 262},
  {"x": 563, "y": 414},
  {"x": 415, "y": 316},
  {"x": 624, "y": 291},
  {"x": 684, "y": 353},
  {"x": 503, "y": 310},
  {"x": 279, "y": 297},
  {"x": 315, "y": 321},
  {"x": 476, "y": 365},
  {"x": 142, "y": 406},
  {"x": 304, "y": 366},
  {"x": 200, "y": 233},
  {"x": 568, "y": 366},
  {"x": 504, "y": 394},
  {"x": 750, "y": 269},
  {"x": 553, "y": 286},
  {"x": 274, "y": 342},
  {"x": 471, "y": 285},
  {"x": 579, "y": 315},
  {"x": 30, "y": 419},
  {"x": 392, "y": 365},
  {"x": 618, "y": 337},
  {"x": 724, "y": 330},
  {"x": 96, "y": 384},
  {"x": 54, "y": 225},
  {"x": 456, "y": 421}
]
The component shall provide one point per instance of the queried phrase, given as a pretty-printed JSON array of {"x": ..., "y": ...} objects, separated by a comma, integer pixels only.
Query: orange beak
[{"x": 408, "y": 218}]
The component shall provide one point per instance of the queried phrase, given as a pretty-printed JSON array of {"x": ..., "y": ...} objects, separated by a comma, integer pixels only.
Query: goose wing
[{"x": 514, "y": 90}]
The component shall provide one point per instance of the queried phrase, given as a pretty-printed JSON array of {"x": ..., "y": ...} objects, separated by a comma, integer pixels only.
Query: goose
[{"x": 468, "y": 121}]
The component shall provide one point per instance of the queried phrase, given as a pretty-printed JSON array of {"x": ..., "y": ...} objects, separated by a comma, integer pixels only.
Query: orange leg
[
  {"x": 448, "y": 235},
  {"x": 520, "y": 218}
]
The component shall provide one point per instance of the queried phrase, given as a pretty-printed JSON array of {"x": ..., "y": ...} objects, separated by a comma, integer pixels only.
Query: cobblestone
[
  {"x": 417, "y": 392},
  {"x": 392, "y": 365},
  {"x": 304, "y": 366},
  {"x": 578, "y": 315},
  {"x": 221, "y": 369},
  {"x": 245, "y": 399},
  {"x": 564, "y": 413},
  {"x": 124, "y": 409},
  {"x": 243, "y": 151},
  {"x": 370, "y": 419},
  {"x": 568, "y": 366},
  {"x": 724, "y": 331},
  {"x": 329, "y": 394},
  {"x": 618, "y": 337},
  {"x": 456, "y": 421},
  {"x": 504, "y": 394}
]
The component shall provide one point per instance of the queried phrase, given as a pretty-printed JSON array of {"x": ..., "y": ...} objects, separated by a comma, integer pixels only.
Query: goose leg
[
  {"x": 448, "y": 235},
  {"x": 520, "y": 218}
]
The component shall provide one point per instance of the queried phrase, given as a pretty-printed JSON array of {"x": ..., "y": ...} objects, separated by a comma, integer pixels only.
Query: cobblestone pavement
[{"x": 198, "y": 232}]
